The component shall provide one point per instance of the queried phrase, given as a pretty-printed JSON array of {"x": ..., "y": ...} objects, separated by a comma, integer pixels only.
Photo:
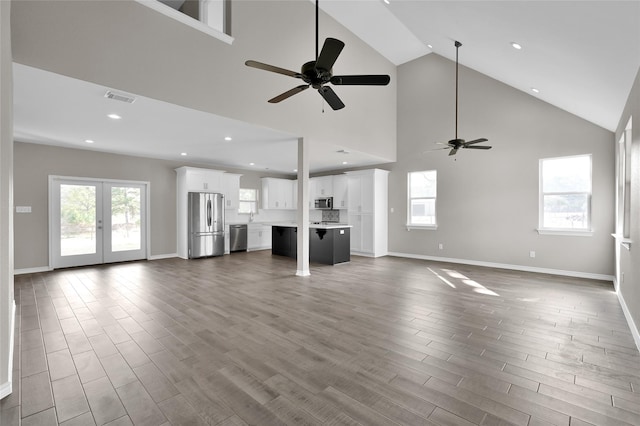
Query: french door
[{"x": 96, "y": 221}]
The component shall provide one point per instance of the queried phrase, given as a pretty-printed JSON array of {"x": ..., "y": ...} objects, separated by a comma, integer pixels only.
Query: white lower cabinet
[{"x": 258, "y": 237}]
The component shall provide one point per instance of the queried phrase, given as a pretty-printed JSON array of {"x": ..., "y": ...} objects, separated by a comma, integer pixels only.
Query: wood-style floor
[{"x": 240, "y": 340}]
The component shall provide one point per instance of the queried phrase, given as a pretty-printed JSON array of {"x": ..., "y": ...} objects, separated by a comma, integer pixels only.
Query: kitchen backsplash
[{"x": 331, "y": 215}]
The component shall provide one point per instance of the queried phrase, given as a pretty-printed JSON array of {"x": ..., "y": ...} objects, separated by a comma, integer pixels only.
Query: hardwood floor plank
[
  {"x": 238, "y": 340},
  {"x": 139, "y": 405},
  {"x": 103, "y": 400}
]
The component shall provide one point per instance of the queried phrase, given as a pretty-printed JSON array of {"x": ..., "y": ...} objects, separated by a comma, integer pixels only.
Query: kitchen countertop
[{"x": 312, "y": 225}]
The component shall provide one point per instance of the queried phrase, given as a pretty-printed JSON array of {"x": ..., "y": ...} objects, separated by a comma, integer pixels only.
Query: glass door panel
[
  {"x": 126, "y": 206},
  {"x": 77, "y": 223},
  {"x": 125, "y": 218}
]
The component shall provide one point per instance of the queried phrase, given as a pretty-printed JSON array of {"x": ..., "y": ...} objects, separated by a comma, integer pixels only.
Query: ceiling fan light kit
[{"x": 319, "y": 73}]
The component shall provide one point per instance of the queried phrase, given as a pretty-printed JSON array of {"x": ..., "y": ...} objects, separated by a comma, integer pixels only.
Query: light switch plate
[{"x": 23, "y": 209}]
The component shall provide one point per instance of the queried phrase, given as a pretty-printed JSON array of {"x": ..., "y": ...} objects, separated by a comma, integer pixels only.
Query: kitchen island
[{"x": 329, "y": 243}]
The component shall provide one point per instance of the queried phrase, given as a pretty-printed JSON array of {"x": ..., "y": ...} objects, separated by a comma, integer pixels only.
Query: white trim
[
  {"x": 300, "y": 273},
  {"x": 421, "y": 227},
  {"x": 577, "y": 274},
  {"x": 624, "y": 242},
  {"x": 162, "y": 256},
  {"x": 627, "y": 314},
  {"x": 185, "y": 19},
  {"x": 566, "y": 232},
  {"x": 7, "y": 387},
  {"x": 35, "y": 270}
]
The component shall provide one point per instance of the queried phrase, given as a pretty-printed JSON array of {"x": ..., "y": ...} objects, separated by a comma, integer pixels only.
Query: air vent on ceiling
[{"x": 119, "y": 97}]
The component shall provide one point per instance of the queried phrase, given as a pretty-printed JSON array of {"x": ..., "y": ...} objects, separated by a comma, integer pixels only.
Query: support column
[
  {"x": 7, "y": 305},
  {"x": 303, "y": 208}
]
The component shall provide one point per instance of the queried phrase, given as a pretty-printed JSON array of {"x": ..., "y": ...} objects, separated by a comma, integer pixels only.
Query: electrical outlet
[
  {"x": 391, "y": 209},
  {"x": 532, "y": 254},
  {"x": 622, "y": 277},
  {"x": 23, "y": 209},
  {"x": 440, "y": 246}
]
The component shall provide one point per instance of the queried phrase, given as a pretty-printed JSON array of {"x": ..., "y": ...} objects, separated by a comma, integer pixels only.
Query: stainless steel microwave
[{"x": 324, "y": 203}]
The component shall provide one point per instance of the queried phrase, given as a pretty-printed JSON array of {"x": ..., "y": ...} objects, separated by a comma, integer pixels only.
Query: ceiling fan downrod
[{"x": 458, "y": 44}]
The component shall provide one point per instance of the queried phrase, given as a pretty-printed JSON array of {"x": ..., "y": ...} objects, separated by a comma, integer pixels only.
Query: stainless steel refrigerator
[{"x": 206, "y": 224}]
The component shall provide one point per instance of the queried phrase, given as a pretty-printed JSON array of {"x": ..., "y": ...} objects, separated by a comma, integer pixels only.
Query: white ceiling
[
  {"x": 581, "y": 55},
  {"x": 57, "y": 110}
]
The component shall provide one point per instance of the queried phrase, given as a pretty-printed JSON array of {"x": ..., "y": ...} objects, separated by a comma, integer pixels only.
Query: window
[
  {"x": 565, "y": 193},
  {"x": 248, "y": 201},
  {"x": 421, "y": 210},
  {"x": 624, "y": 183}
]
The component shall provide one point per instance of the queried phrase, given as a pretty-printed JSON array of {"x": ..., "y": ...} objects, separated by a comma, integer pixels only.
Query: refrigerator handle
[{"x": 208, "y": 212}]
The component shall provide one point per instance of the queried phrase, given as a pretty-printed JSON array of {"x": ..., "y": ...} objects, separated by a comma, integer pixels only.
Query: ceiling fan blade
[
  {"x": 330, "y": 96},
  {"x": 453, "y": 151},
  {"x": 475, "y": 141},
  {"x": 360, "y": 80},
  {"x": 435, "y": 149},
  {"x": 267, "y": 67},
  {"x": 478, "y": 147},
  {"x": 288, "y": 94},
  {"x": 329, "y": 53}
]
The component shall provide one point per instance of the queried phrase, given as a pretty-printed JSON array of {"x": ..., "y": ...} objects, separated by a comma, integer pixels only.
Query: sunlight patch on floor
[{"x": 476, "y": 286}]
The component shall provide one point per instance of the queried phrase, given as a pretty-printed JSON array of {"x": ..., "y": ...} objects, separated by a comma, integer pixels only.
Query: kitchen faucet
[{"x": 251, "y": 216}]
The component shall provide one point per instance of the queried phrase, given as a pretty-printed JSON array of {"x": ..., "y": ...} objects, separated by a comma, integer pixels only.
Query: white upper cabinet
[
  {"x": 340, "y": 192},
  {"x": 278, "y": 194},
  {"x": 323, "y": 186},
  {"x": 202, "y": 180},
  {"x": 231, "y": 185}
]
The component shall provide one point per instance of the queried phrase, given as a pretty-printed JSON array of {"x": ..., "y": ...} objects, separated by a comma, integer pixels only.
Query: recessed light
[
  {"x": 114, "y": 116},
  {"x": 429, "y": 46},
  {"x": 183, "y": 154},
  {"x": 88, "y": 141},
  {"x": 516, "y": 45},
  {"x": 252, "y": 164},
  {"x": 386, "y": 1},
  {"x": 228, "y": 138},
  {"x": 344, "y": 162},
  {"x": 295, "y": 170},
  {"x": 534, "y": 90}
]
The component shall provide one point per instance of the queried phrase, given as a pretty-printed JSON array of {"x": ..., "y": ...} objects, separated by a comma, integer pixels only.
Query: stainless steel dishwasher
[{"x": 237, "y": 238}]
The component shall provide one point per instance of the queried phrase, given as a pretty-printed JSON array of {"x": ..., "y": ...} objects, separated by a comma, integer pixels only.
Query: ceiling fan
[
  {"x": 318, "y": 73},
  {"x": 456, "y": 144}
]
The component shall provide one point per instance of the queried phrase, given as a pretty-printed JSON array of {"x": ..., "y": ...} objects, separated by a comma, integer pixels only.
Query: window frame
[
  {"x": 588, "y": 230},
  {"x": 410, "y": 225},
  {"x": 255, "y": 201}
]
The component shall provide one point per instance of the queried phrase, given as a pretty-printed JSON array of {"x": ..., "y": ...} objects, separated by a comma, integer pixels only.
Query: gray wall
[
  {"x": 629, "y": 262},
  {"x": 6, "y": 197},
  {"x": 34, "y": 163},
  {"x": 127, "y": 46},
  {"x": 487, "y": 205}
]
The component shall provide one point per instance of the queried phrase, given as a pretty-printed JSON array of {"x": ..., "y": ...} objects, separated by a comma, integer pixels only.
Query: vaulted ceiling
[{"x": 581, "y": 56}]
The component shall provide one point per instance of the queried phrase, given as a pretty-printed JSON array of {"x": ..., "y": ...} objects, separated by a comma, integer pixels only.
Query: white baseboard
[
  {"x": 32, "y": 270},
  {"x": 162, "y": 256},
  {"x": 576, "y": 274},
  {"x": 627, "y": 314},
  {"x": 7, "y": 387}
]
